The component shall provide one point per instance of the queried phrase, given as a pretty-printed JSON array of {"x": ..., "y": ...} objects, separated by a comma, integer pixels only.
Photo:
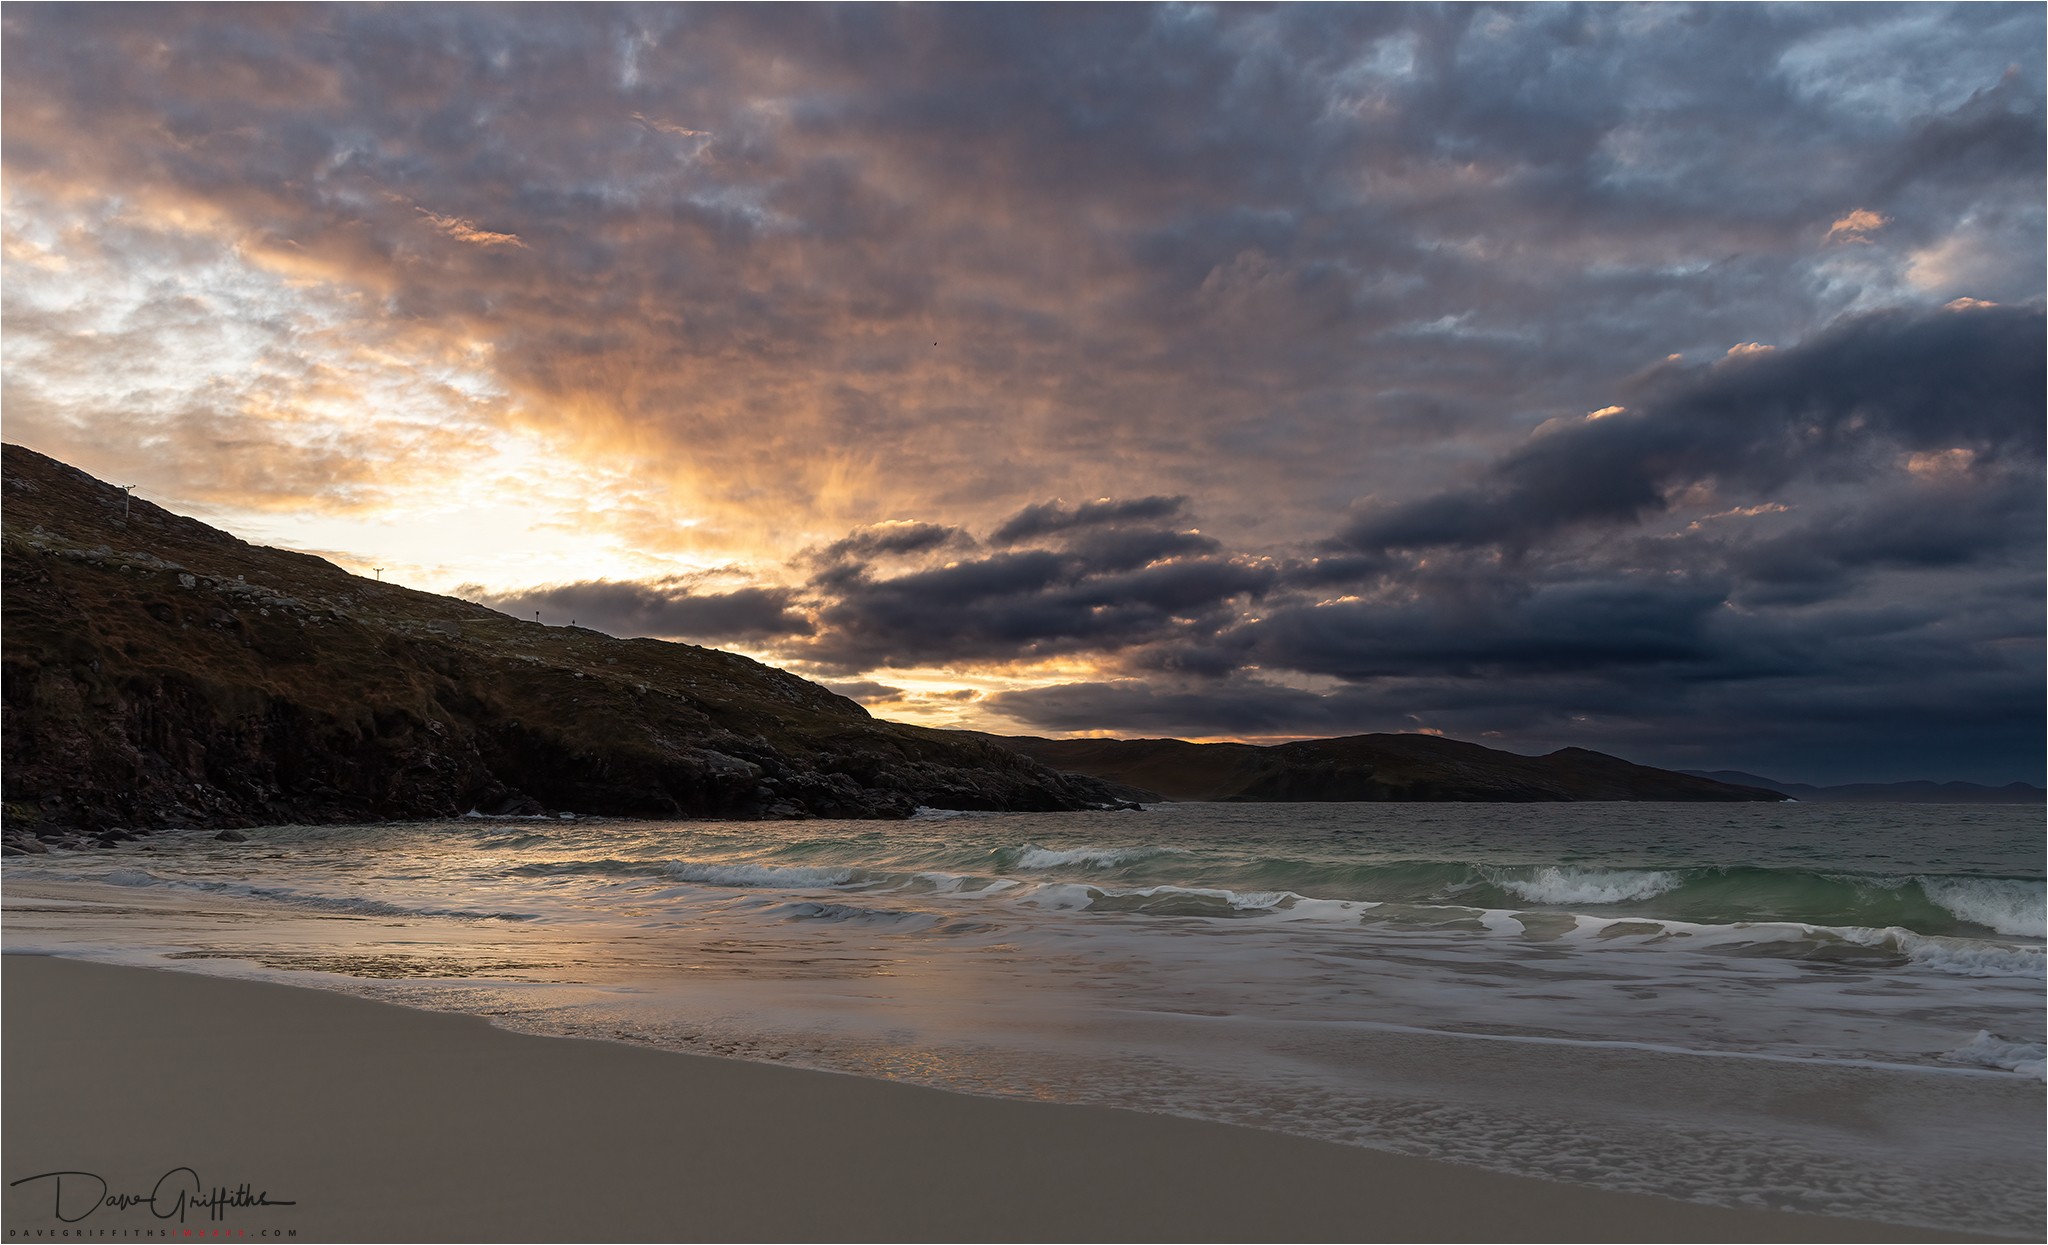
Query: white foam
[
  {"x": 1564, "y": 885},
  {"x": 1053, "y": 858},
  {"x": 1988, "y": 1050},
  {"x": 1498, "y": 922},
  {"x": 2008, "y": 905},
  {"x": 1968, "y": 957},
  {"x": 1243, "y": 901},
  {"x": 1056, "y": 896}
]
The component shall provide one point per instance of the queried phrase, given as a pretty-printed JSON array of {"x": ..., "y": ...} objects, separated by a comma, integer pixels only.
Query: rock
[
  {"x": 516, "y": 805},
  {"x": 9, "y": 849},
  {"x": 232, "y": 836}
]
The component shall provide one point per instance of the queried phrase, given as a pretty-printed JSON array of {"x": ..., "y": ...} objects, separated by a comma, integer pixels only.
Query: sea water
[{"x": 1831, "y": 1008}]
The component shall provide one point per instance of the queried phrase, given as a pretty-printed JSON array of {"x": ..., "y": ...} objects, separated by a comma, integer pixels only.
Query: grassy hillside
[
  {"x": 159, "y": 671},
  {"x": 1370, "y": 767}
]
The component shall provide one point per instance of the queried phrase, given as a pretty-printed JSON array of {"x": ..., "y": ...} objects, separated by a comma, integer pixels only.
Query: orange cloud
[
  {"x": 466, "y": 231},
  {"x": 1857, "y": 226}
]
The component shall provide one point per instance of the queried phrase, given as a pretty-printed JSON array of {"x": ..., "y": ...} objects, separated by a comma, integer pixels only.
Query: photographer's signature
[{"x": 176, "y": 1193}]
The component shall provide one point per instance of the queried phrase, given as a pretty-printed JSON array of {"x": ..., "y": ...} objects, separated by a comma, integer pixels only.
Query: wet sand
[{"x": 380, "y": 1123}]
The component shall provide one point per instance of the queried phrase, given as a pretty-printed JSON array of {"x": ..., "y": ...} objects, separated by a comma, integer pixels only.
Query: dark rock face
[
  {"x": 158, "y": 672},
  {"x": 1371, "y": 768}
]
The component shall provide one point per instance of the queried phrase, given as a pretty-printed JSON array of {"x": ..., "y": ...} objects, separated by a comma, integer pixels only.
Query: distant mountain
[
  {"x": 1367, "y": 768},
  {"x": 160, "y": 672},
  {"x": 1921, "y": 792}
]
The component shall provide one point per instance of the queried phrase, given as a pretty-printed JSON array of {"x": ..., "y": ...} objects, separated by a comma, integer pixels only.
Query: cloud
[
  {"x": 670, "y": 127},
  {"x": 900, "y": 536},
  {"x": 1750, "y": 423},
  {"x": 868, "y": 692},
  {"x": 1951, "y": 517},
  {"x": 667, "y": 609},
  {"x": 1857, "y": 226},
  {"x": 879, "y": 296},
  {"x": 466, "y": 231},
  {"x": 1046, "y": 518},
  {"x": 829, "y": 298}
]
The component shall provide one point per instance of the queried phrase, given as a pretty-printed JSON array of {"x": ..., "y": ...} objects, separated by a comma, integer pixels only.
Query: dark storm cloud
[
  {"x": 1970, "y": 378},
  {"x": 1125, "y": 550},
  {"x": 1575, "y": 626},
  {"x": 667, "y": 609},
  {"x": 1046, "y": 518},
  {"x": 962, "y": 257},
  {"x": 892, "y": 538},
  {"x": 1947, "y": 523},
  {"x": 1021, "y": 605},
  {"x": 1106, "y": 581},
  {"x": 1832, "y": 697},
  {"x": 802, "y": 271}
]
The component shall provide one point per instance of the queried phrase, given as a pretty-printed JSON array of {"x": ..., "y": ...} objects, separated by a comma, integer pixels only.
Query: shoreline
[{"x": 382, "y": 1122}]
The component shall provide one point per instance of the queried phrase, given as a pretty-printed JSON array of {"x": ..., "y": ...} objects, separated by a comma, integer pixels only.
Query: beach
[
  {"x": 1293, "y": 1022},
  {"x": 384, "y": 1123}
]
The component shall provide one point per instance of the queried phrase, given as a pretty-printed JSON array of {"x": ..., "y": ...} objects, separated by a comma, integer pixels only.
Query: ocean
[{"x": 1828, "y": 1008}]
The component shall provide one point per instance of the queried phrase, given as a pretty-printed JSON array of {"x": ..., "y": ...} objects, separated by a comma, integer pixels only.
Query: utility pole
[
  {"x": 127, "y": 495},
  {"x": 380, "y": 573}
]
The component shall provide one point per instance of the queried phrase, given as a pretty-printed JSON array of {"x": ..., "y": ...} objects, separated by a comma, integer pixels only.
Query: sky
[{"x": 1664, "y": 380}]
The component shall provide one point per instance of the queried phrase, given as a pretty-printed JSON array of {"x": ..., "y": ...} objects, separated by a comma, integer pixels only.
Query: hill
[
  {"x": 1369, "y": 767},
  {"x": 158, "y": 671},
  {"x": 1919, "y": 792}
]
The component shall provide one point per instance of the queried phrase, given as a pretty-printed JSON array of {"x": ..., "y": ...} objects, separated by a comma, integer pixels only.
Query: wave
[
  {"x": 1924, "y": 903},
  {"x": 1156, "y": 900},
  {"x": 1554, "y": 884},
  {"x": 2008, "y": 905},
  {"x": 514, "y": 841},
  {"x": 739, "y": 873},
  {"x": 852, "y": 914},
  {"x": 1031, "y": 856},
  {"x": 1989, "y": 1050}
]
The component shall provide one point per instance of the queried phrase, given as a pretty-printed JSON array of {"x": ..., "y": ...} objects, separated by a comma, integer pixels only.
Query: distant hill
[
  {"x": 1922, "y": 792},
  {"x": 161, "y": 672},
  {"x": 1367, "y": 768}
]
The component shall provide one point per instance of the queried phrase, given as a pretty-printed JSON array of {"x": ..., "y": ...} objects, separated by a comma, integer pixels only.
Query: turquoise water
[{"x": 1625, "y": 995}]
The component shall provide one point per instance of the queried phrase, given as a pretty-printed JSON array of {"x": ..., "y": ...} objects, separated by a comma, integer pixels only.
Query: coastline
[{"x": 385, "y": 1123}]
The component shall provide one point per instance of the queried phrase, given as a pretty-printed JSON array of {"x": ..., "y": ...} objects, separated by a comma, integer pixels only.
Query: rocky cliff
[{"x": 158, "y": 671}]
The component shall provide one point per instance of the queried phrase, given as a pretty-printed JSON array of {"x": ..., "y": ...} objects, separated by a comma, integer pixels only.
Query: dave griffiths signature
[{"x": 176, "y": 1192}]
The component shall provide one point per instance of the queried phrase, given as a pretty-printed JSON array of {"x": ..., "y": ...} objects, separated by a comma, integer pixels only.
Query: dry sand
[{"x": 385, "y": 1124}]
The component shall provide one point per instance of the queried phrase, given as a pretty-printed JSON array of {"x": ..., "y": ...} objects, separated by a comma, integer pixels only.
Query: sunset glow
[{"x": 1216, "y": 373}]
